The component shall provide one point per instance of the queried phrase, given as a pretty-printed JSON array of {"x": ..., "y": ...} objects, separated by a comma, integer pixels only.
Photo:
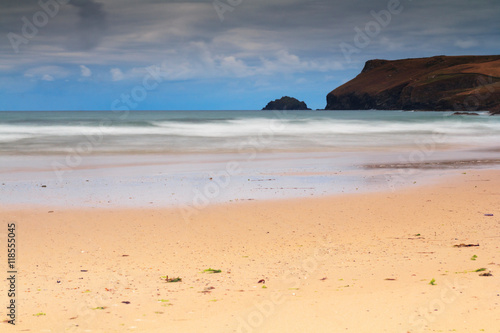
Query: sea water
[
  {"x": 233, "y": 131},
  {"x": 196, "y": 158}
]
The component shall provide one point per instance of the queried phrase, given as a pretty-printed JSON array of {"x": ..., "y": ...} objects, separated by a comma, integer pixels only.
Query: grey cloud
[
  {"x": 91, "y": 25},
  {"x": 141, "y": 33}
]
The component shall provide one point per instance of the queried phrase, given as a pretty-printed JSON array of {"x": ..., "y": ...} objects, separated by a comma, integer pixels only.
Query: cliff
[
  {"x": 286, "y": 103},
  {"x": 441, "y": 83}
]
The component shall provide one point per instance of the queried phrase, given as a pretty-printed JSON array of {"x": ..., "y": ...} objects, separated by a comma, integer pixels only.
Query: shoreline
[
  {"x": 327, "y": 262},
  {"x": 169, "y": 181},
  {"x": 445, "y": 176}
]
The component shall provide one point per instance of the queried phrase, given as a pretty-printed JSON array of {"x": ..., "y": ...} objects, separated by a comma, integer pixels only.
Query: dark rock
[
  {"x": 465, "y": 114},
  {"x": 286, "y": 103}
]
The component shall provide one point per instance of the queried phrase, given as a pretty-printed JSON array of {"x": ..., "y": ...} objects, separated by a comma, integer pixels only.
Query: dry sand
[{"x": 351, "y": 263}]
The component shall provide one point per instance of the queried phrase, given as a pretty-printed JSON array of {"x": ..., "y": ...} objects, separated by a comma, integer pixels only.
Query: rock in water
[
  {"x": 286, "y": 103},
  {"x": 465, "y": 114}
]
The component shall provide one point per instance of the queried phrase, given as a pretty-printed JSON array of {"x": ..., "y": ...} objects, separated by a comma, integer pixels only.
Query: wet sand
[
  {"x": 345, "y": 263},
  {"x": 457, "y": 164}
]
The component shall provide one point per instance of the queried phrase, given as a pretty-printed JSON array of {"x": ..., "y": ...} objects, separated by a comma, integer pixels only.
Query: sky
[{"x": 218, "y": 54}]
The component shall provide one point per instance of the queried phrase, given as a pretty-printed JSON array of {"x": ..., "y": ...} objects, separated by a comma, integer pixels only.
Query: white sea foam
[{"x": 154, "y": 132}]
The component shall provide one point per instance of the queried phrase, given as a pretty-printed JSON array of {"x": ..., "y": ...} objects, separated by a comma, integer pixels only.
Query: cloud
[
  {"x": 232, "y": 66},
  {"x": 47, "y": 73},
  {"x": 390, "y": 44},
  {"x": 203, "y": 61},
  {"x": 91, "y": 25},
  {"x": 260, "y": 42},
  {"x": 85, "y": 71},
  {"x": 47, "y": 77},
  {"x": 116, "y": 74},
  {"x": 142, "y": 33},
  {"x": 466, "y": 44},
  {"x": 286, "y": 62}
]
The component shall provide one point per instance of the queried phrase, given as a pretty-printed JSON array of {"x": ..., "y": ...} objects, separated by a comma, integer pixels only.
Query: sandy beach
[
  {"x": 233, "y": 166},
  {"x": 345, "y": 263}
]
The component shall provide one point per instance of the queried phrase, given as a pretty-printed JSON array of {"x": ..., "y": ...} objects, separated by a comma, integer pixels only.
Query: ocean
[
  {"x": 183, "y": 132},
  {"x": 196, "y": 158}
]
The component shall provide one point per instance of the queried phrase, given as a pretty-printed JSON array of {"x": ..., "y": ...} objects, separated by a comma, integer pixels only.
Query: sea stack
[{"x": 286, "y": 103}]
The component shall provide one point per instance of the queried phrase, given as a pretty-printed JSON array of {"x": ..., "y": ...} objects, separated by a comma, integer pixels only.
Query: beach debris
[
  {"x": 480, "y": 270},
  {"x": 323, "y": 279},
  {"x": 40, "y": 314},
  {"x": 473, "y": 258},
  {"x": 83, "y": 270},
  {"x": 99, "y": 308},
  {"x": 212, "y": 271},
  {"x": 207, "y": 290},
  {"x": 465, "y": 245},
  {"x": 125, "y": 255},
  {"x": 173, "y": 280},
  {"x": 390, "y": 279},
  {"x": 432, "y": 282},
  {"x": 261, "y": 180},
  {"x": 125, "y": 302},
  {"x": 489, "y": 215},
  {"x": 486, "y": 274},
  {"x": 50, "y": 211},
  {"x": 262, "y": 281},
  {"x": 44, "y": 186}
]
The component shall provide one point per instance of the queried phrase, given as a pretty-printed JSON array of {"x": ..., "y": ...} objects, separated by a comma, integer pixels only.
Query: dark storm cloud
[
  {"x": 255, "y": 37},
  {"x": 91, "y": 25}
]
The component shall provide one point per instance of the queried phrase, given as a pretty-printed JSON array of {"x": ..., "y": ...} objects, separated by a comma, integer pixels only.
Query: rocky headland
[{"x": 441, "y": 83}]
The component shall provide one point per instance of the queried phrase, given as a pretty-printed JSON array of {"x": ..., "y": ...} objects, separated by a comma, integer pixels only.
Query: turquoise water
[{"x": 236, "y": 131}]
